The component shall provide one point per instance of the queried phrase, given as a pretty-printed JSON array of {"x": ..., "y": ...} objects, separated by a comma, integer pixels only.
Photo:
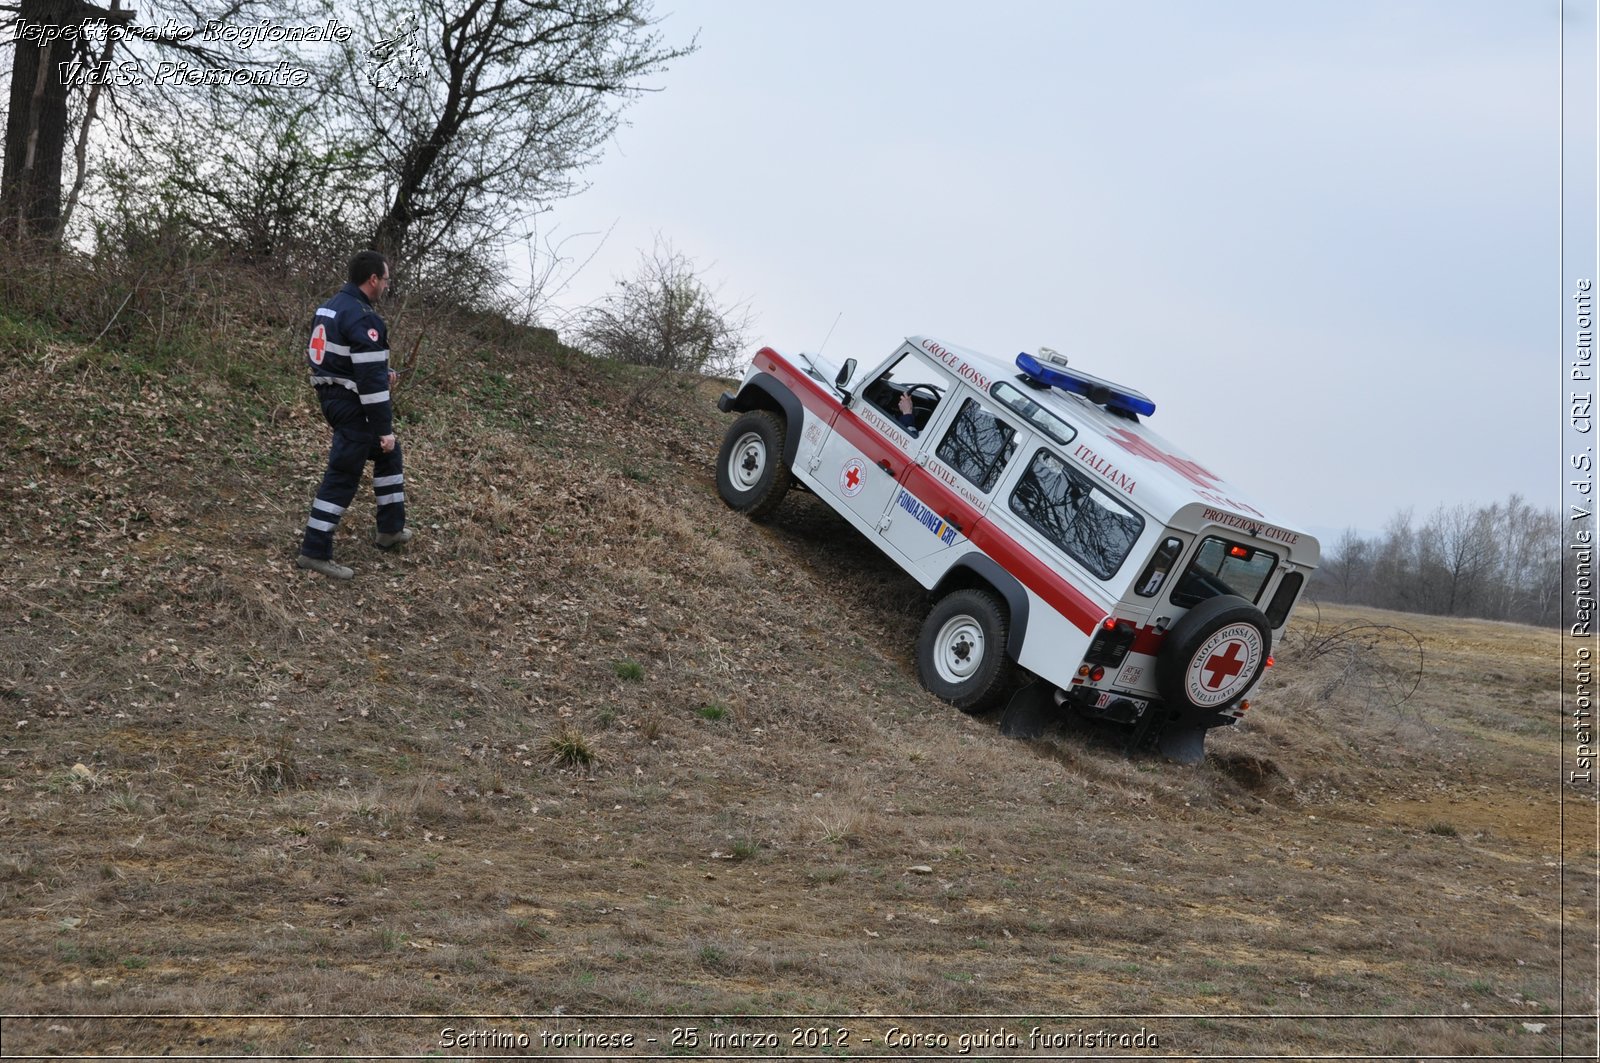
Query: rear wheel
[
  {"x": 752, "y": 476},
  {"x": 961, "y": 651}
]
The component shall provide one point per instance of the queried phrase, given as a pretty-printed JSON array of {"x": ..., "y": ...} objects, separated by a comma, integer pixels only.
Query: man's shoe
[
  {"x": 330, "y": 569},
  {"x": 386, "y": 541}
]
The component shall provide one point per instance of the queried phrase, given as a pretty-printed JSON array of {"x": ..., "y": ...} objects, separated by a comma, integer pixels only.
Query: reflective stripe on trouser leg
[
  {"x": 389, "y": 484},
  {"x": 347, "y": 458}
]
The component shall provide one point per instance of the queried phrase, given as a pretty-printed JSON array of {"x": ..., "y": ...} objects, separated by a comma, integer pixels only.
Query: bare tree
[
  {"x": 70, "y": 53},
  {"x": 1394, "y": 567},
  {"x": 485, "y": 108},
  {"x": 1347, "y": 567},
  {"x": 1459, "y": 553}
]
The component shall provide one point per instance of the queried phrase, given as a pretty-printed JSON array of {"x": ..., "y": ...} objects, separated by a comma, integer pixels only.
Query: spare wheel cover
[
  {"x": 1213, "y": 654},
  {"x": 1224, "y": 665}
]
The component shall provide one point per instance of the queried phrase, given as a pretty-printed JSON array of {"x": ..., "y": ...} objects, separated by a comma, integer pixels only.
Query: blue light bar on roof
[{"x": 1090, "y": 387}]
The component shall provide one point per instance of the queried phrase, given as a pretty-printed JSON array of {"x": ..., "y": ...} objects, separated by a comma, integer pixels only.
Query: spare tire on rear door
[{"x": 1212, "y": 655}]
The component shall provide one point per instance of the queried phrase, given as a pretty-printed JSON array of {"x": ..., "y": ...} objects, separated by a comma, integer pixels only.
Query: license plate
[{"x": 1108, "y": 696}]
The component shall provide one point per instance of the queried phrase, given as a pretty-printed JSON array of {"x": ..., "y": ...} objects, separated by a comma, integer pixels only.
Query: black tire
[
  {"x": 961, "y": 651},
  {"x": 752, "y": 476},
  {"x": 1212, "y": 656}
]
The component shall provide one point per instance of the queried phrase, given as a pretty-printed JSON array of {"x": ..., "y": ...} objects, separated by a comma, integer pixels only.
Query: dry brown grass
[{"x": 299, "y": 797}]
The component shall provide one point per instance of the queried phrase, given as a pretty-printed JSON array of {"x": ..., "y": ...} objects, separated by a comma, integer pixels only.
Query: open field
[{"x": 594, "y": 745}]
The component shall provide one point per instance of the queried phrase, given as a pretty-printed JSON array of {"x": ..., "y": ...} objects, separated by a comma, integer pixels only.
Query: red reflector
[
  {"x": 1269, "y": 662},
  {"x": 1111, "y": 623},
  {"x": 1098, "y": 674},
  {"x": 1244, "y": 706},
  {"x": 1239, "y": 551}
]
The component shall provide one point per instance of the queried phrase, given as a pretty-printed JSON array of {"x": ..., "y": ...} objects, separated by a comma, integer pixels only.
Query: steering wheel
[{"x": 932, "y": 392}]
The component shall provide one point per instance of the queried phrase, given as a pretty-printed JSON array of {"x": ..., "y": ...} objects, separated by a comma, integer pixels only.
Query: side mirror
[{"x": 846, "y": 371}]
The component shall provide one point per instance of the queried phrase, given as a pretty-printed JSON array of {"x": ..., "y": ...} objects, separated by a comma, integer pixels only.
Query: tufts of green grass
[{"x": 569, "y": 748}]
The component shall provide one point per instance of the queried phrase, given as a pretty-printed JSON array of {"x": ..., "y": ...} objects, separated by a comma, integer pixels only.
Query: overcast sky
[{"x": 1322, "y": 237}]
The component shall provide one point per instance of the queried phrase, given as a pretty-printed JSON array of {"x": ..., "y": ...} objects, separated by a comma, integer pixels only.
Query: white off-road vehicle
[{"x": 1054, "y": 530}]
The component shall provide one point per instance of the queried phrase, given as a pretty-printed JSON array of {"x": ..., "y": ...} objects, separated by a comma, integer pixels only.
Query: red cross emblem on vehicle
[
  {"x": 850, "y": 481},
  {"x": 1224, "y": 665},
  {"x": 319, "y": 344},
  {"x": 1189, "y": 470}
]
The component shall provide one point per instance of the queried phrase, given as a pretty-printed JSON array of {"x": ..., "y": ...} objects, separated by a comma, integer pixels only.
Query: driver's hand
[{"x": 905, "y": 402}]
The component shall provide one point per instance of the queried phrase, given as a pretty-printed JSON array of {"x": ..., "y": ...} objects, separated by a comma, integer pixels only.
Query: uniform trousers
[{"x": 354, "y": 444}]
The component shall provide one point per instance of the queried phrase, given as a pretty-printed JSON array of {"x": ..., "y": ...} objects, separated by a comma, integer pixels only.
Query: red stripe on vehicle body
[
  {"x": 1148, "y": 640},
  {"x": 1083, "y": 612}
]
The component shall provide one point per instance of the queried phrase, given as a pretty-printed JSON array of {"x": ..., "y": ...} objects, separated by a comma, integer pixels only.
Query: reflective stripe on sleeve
[
  {"x": 375, "y": 397},
  {"x": 367, "y": 356},
  {"x": 323, "y": 311}
]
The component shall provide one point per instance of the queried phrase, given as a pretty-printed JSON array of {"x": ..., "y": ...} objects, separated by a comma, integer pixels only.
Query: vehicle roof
[{"x": 1130, "y": 460}]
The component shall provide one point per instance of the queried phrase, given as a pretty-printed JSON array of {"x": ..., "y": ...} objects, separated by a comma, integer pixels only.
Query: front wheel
[
  {"x": 752, "y": 476},
  {"x": 961, "y": 652}
]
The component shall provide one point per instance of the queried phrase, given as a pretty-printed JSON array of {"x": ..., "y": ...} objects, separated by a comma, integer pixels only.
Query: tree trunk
[{"x": 36, "y": 123}]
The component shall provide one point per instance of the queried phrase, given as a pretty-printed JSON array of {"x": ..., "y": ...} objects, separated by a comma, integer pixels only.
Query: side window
[
  {"x": 1088, "y": 525},
  {"x": 909, "y": 391},
  {"x": 977, "y": 445},
  {"x": 1283, "y": 600},
  {"x": 1155, "y": 573}
]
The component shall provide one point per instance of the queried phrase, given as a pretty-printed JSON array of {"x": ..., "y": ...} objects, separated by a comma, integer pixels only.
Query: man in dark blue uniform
[{"x": 349, "y": 359}]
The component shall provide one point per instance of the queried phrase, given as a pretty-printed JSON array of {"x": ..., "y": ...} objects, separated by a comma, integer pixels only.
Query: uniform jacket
[{"x": 350, "y": 348}]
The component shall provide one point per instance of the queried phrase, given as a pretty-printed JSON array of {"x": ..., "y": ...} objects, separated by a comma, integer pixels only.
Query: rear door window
[{"x": 1222, "y": 566}]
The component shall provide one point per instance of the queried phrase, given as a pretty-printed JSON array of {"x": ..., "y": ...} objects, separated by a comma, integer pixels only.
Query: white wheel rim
[
  {"x": 747, "y": 462},
  {"x": 958, "y": 649}
]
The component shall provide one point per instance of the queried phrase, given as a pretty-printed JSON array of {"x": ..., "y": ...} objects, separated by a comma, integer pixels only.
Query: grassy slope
[{"x": 231, "y": 787}]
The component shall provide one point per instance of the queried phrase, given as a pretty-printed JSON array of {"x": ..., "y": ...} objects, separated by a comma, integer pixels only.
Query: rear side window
[
  {"x": 977, "y": 445},
  {"x": 1283, "y": 599},
  {"x": 1088, "y": 525},
  {"x": 1155, "y": 573},
  {"x": 1224, "y": 567}
]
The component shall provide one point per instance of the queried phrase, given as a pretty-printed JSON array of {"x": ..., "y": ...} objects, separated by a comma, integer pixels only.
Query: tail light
[{"x": 1111, "y": 643}]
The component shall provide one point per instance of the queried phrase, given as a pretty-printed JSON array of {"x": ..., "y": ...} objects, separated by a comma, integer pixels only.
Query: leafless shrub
[
  {"x": 666, "y": 318},
  {"x": 1371, "y": 662}
]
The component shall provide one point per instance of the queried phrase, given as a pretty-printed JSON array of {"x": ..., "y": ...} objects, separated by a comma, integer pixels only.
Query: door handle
[{"x": 952, "y": 524}]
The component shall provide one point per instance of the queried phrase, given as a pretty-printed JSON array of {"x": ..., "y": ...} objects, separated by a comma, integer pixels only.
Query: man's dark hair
[{"x": 367, "y": 264}]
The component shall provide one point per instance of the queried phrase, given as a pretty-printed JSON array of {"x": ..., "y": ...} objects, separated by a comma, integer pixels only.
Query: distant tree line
[{"x": 1499, "y": 562}]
